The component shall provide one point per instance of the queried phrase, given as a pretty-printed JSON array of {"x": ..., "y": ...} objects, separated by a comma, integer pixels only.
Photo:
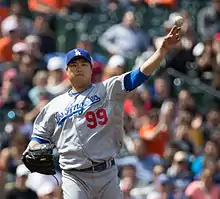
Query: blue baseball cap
[{"x": 78, "y": 52}]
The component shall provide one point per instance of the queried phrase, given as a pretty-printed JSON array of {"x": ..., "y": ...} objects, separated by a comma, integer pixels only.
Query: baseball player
[{"x": 86, "y": 125}]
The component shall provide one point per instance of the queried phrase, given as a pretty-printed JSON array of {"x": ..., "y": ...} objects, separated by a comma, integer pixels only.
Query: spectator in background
[
  {"x": 9, "y": 89},
  {"x": 44, "y": 99},
  {"x": 183, "y": 117},
  {"x": 114, "y": 67},
  {"x": 155, "y": 134},
  {"x": 20, "y": 190},
  {"x": 203, "y": 63},
  {"x": 25, "y": 24},
  {"x": 133, "y": 107},
  {"x": 19, "y": 50},
  {"x": 211, "y": 123},
  {"x": 182, "y": 134},
  {"x": 22, "y": 108},
  {"x": 172, "y": 147},
  {"x": 115, "y": 39},
  {"x": 48, "y": 6},
  {"x": 114, "y": 5},
  {"x": 145, "y": 162},
  {"x": 56, "y": 85},
  {"x": 39, "y": 82},
  {"x": 186, "y": 101},
  {"x": 209, "y": 21},
  {"x": 11, "y": 35},
  {"x": 196, "y": 133},
  {"x": 167, "y": 114},
  {"x": 204, "y": 188},
  {"x": 211, "y": 152},
  {"x": 128, "y": 181},
  {"x": 163, "y": 188},
  {"x": 46, "y": 35},
  {"x": 179, "y": 172},
  {"x": 26, "y": 71},
  {"x": 157, "y": 171},
  {"x": 10, "y": 157},
  {"x": 160, "y": 92},
  {"x": 34, "y": 47}
]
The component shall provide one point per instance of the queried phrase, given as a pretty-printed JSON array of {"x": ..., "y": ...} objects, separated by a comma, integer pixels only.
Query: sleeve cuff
[{"x": 39, "y": 140}]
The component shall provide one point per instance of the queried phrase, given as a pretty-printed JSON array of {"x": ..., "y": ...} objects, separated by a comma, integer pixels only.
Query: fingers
[
  {"x": 175, "y": 33},
  {"x": 177, "y": 36},
  {"x": 175, "y": 30}
]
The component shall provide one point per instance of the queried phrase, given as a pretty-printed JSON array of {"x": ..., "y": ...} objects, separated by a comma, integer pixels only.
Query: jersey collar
[{"x": 71, "y": 93}]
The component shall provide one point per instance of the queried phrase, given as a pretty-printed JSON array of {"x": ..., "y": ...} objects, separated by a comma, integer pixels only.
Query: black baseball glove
[{"x": 40, "y": 159}]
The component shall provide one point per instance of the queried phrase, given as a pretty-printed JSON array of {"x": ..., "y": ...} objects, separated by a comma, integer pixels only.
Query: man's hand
[
  {"x": 172, "y": 38},
  {"x": 40, "y": 159}
]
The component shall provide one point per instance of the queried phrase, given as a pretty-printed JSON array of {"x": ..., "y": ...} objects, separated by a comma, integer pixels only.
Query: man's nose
[{"x": 78, "y": 69}]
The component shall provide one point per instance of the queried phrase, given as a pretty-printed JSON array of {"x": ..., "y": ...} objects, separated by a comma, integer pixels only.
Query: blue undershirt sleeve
[
  {"x": 41, "y": 141},
  {"x": 134, "y": 79}
]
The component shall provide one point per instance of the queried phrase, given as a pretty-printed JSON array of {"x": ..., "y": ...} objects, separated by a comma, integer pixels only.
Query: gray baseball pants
[{"x": 88, "y": 185}]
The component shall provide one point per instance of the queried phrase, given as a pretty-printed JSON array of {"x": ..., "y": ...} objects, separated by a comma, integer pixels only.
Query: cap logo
[{"x": 77, "y": 53}]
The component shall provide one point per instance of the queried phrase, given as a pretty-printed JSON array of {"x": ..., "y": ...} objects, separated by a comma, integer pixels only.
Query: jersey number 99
[{"x": 96, "y": 118}]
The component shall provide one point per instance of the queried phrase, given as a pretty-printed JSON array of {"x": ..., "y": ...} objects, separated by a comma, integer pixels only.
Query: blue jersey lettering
[{"x": 73, "y": 109}]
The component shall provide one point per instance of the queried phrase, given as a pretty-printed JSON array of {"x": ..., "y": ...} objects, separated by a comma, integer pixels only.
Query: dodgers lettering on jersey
[
  {"x": 85, "y": 126},
  {"x": 72, "y": 109}
]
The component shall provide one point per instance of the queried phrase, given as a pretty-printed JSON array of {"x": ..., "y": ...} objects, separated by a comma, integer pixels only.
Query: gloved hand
[{"x": 40, "y": 159}]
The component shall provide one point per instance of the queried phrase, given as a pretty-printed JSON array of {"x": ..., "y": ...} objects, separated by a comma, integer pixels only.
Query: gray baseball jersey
[{"x": 85, "y": 126}]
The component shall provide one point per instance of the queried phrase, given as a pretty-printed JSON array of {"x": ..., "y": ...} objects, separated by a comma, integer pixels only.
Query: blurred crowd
[{"x": 172, "y": 137}]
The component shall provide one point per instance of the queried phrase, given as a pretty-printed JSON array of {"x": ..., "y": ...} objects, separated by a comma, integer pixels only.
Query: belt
[{"x": 98, "y": 167}]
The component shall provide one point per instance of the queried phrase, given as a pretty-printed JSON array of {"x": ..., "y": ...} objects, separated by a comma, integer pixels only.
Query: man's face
[
  {"x": 16, "y": 9},
  {"x": 161, "y": 87},
  {"x": 79, "y": 72},
  {"x": 17, "y": 57},
  {"x": 213, "y": 117},
  {"x": 129, "y": 19},
  {"x": 180, "y": 165},
  {"x": 211, "y": 149},
  {"x": 21, "y": 180}
]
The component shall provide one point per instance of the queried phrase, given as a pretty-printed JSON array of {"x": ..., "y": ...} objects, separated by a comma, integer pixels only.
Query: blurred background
[{"x": 172, "y": 133}]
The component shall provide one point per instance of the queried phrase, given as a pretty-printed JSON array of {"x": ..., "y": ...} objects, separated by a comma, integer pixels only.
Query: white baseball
[{"x": 178, "y": 20}]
